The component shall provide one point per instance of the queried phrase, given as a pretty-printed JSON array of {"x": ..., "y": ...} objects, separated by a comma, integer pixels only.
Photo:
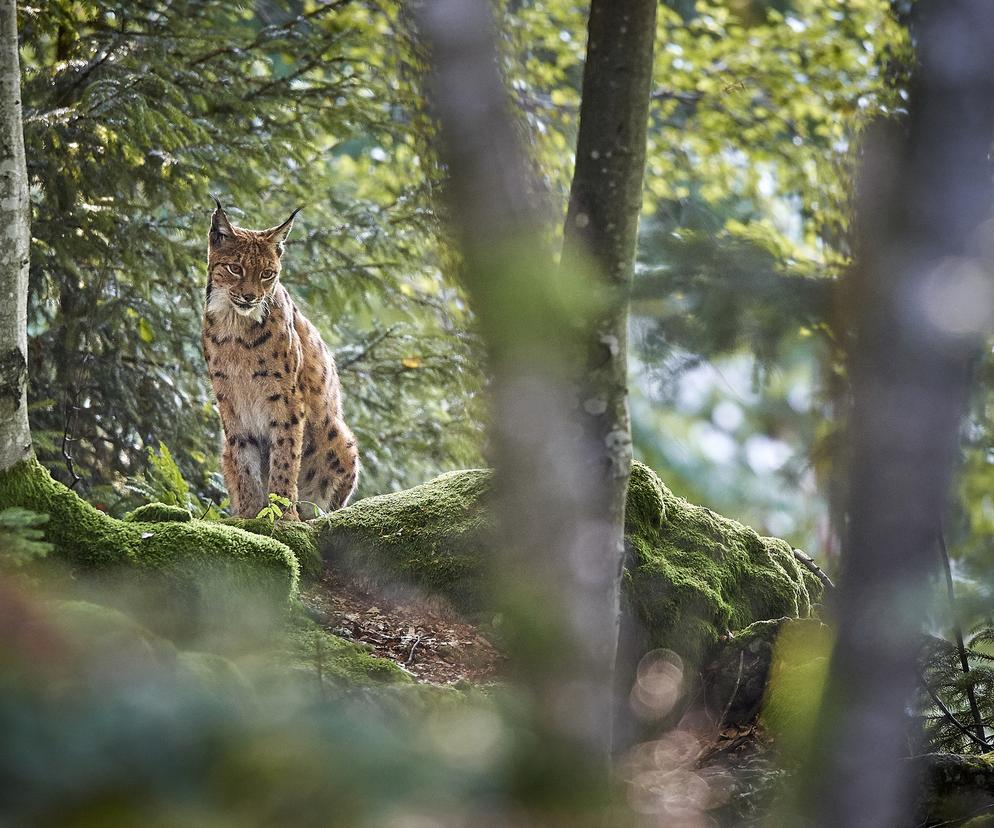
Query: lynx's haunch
[{"x": 275, "y": 380}]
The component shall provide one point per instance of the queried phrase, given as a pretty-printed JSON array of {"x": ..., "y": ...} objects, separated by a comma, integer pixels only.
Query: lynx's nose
[{"x": 249, "y": 297}]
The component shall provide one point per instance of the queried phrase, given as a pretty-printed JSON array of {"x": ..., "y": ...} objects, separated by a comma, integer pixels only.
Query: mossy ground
[
  {"x": 181, "y": 576},
  {"x": 301, "y": 538},
  {"x": 332, "y": 659},
  {"x": 194, "y": 579},
  {"x": 182, "y": 549},
  {"x": 692, "y": 574}
]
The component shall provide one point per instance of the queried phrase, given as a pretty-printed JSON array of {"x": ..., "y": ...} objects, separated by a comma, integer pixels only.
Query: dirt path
[{"x": 430, "y": 644}]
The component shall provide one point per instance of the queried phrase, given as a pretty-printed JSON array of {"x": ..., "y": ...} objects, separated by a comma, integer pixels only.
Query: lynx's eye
[
  {"x": 234, "y": 269},
  {"x": 268, "y": 275}
]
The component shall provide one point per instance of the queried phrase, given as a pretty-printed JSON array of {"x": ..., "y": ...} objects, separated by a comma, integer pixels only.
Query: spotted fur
[{"x": 275, "y": 381}]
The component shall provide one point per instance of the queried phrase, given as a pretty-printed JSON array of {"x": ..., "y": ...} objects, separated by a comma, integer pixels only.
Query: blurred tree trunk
[
  {"x": 921, "y": 301},
  {"x": 15, "y": 437},
  {"x": 555, "y": 339}
]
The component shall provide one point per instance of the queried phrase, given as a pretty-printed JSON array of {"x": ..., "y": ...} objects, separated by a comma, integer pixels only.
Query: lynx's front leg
[
  {"x": 241, "y": 464},
  {"x": 286, "y": 431}
]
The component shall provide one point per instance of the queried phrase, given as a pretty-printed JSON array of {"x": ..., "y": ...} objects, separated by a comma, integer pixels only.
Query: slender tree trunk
[
  {"x": 600, "y": 233},
  {"x": 15, "y": 437},
  {"x": 922, "y": 301}
]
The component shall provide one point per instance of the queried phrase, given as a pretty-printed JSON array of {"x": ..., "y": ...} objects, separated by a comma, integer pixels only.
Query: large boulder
[
  {"x": 691, "y": 574},
  {"x": 192, "y": 575}
]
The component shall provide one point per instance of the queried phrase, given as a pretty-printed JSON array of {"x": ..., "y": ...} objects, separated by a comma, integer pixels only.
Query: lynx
[{"x": 275, "y": 381}]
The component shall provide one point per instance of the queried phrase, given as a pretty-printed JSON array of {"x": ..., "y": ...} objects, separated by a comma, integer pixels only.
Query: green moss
[
  {"x": 158, "y": 513},
  {"x": 300, "y": 537},
  {"x": 431, "y": 536},
  {"x": 206, "y": 569},
  {"x": 692, "y": 575},
  {"x": 339, "y": 661}
]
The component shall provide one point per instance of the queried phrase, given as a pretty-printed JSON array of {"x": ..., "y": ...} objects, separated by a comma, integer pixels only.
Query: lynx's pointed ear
[
  {"x": 220, "y": 225},
  {"x": 278, "y": 234}
]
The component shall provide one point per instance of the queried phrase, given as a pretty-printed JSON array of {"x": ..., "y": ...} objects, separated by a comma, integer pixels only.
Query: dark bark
[
  {"x": 600, "y": 233},
  {"x": 922, "y": 297}
]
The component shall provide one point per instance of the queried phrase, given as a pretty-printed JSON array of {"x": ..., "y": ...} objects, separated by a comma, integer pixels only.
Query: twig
[
  {"x": 367, "y": 348},
  {"x": 270, "y": 32},
  {"x": 410, "y": 656},
  {"x": 971, "y": 693},
  {"x": 808, "y": 563}
]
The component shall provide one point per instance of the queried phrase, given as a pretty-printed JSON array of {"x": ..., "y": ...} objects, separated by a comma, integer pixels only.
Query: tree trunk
[
  {"x": 922, "y": 299},
  {"x": 600, "y": 234},
  {"x": 561, "y": 471},
  {"x": 15, "y": 437}
]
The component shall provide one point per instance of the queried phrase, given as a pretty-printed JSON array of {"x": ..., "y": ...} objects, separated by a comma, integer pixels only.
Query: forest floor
[
  {"x": 734, "y": 764},
  {"x": 431, "y": 644}
]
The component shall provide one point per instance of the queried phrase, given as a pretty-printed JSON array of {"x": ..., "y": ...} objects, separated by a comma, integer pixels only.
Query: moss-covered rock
[
  {"x": 953, "y": 788},
  {"x": 776, "y": 666},
  {"x": 203, "y": 571},
  {"x": 691, "y": 576},
  {"x": 158, "y": 513},
  {"x": 432, "y": 536},
  {"x": 300, "y": 537},
  {"x": 736, "y": 677}
]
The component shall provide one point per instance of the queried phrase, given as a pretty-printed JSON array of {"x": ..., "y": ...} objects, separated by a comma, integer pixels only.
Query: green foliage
[
  {"x": 942, "y": 670},
  {"x": 133, "y": 113},
  {"x": 274, "y": 510},
  {"x": 21, "y": 537},
  {"x": 164, "y": 480},
  {"x": 756, "y": 116}
]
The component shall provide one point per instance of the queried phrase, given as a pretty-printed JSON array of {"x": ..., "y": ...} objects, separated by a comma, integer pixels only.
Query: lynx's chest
[{"x": 253, "y": 365}]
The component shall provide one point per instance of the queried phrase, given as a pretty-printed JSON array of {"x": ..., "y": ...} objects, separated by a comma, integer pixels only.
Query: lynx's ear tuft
[
  {"x": 220, "y": 225},
  {"x": 278, "y": 234}
]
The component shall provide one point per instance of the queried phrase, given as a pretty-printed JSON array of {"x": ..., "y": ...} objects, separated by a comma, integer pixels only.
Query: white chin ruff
[
  {"x": 253, "y": 313},
  {"x": 220, "y": 305}
]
